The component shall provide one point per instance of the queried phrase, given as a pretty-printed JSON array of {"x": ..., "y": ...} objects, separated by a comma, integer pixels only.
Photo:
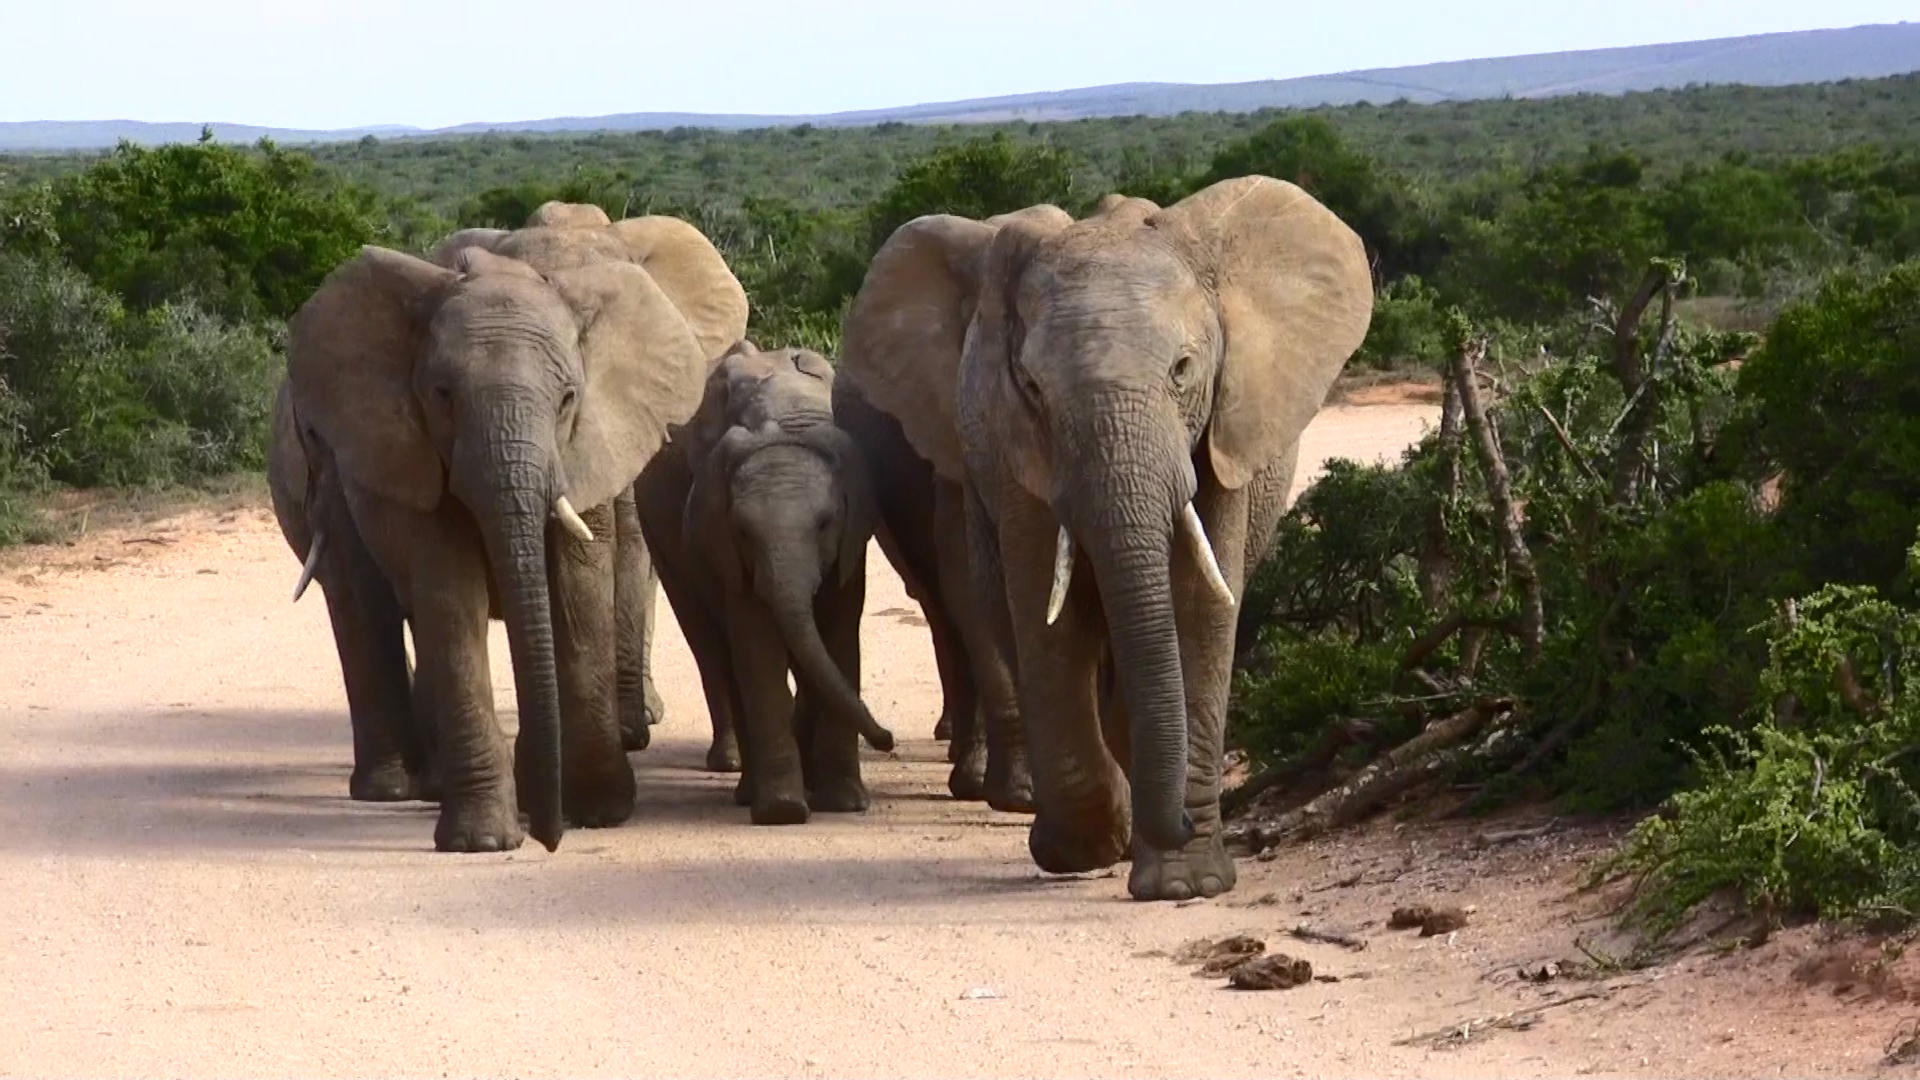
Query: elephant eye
[
  {"x": 1183, "y": 370},
  {"x": 443, "y": 394},
  {"x": 1029, "y": 386},
  {"x": 567, "y": 399}
]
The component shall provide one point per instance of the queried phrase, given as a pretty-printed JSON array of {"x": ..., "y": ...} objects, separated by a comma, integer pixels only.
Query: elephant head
[
  {"x": 781, "y": 500},
  {"x": 520, "y": 394},
  {"x": 1109, "y": 367}
]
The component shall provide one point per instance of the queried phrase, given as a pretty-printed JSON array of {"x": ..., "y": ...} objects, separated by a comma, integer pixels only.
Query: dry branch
[
  {"x": 1464, "y": 369},
  {"x": 1430, "y": 754},
  {"x": 1636, "y": 378}
]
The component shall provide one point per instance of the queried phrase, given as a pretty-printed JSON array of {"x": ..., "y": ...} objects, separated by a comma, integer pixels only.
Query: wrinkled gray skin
[
  {"x": 1097, "y": 386},
  {"x": 458, "y": 407},
  {"x": 922, "y": 531},
  {"x": 759, "y": 526}
]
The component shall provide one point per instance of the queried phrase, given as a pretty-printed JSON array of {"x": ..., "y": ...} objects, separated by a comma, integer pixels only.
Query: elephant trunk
[
  {"x": 1128, "y": 484},
  {"x": 511, "y": 490},
  {"x": 789, "y": 591}
]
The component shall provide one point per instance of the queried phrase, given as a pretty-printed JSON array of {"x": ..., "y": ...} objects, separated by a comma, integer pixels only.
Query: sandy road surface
[{"x": 185, "y": 890}]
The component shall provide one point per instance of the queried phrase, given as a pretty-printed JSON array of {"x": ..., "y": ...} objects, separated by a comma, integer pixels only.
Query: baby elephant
[{"x": 758, "y": 516}]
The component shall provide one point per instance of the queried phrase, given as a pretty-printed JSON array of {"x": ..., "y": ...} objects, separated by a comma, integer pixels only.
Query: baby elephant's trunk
[{"x": 789, "y": 594}]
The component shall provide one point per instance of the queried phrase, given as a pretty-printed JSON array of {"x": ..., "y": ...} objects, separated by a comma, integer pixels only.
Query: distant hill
[{"x": 1810, "y": 56}]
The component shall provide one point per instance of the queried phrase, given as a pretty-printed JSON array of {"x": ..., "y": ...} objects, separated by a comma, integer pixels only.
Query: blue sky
[{"x": 343, "y": 63}]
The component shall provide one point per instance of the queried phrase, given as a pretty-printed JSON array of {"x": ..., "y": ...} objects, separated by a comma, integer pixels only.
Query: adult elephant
[
  {"x": 469, "y": 409},
  {"x": 922, "y": 531},
  {"x": 759, "y": 517},
  {"x": 1123, "y": 398}
]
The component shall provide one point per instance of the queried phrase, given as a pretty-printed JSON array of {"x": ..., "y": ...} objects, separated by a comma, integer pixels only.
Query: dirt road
[{"x": 185, "y": 890}]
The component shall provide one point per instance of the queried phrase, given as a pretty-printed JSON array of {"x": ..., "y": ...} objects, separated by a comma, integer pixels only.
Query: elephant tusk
[
  {"x": 1210, "y": 566},
  {"x": 1062, "y": 575},
  {"x": 563, "y": 510},
  {"x": 308, "y": 568}
]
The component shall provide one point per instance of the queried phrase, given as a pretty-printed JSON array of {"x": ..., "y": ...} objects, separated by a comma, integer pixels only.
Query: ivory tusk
[
  {"x": 563, "y": 510},
  {"x": 1210, "y": 566},
  {"x": 312, "y": 564},
  {"x": 1062, "y": 575}
]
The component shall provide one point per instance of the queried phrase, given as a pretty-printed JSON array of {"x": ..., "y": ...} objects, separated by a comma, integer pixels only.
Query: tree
[{"x": 977, "y": 179}]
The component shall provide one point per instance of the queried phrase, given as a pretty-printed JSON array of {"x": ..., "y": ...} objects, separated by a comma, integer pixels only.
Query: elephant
[
  {"x": 921, "y": 530},
  {"x": 759, "y": 516},
  {"x": 465, "y": 410},
  {"x": 1122, "y": 399}
]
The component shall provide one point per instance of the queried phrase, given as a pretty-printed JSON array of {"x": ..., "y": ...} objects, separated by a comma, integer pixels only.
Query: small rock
[
  {"x": 1276, "y": 971},
  {"x": 979, "y": 993},
  {"x": 1442, "y": 921}
]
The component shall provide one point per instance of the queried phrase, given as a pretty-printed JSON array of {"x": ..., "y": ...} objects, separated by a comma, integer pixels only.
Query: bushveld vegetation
[{"x": 1659, "y": 552}]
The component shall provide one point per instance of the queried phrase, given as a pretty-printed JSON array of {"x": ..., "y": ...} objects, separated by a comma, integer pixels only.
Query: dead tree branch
[
  {"x": 1506, "y": 514},
  {"x": 1637, "y": 378}
]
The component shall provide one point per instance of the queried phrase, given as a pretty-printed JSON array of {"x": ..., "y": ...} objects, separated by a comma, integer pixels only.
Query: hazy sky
[{"x": 344, "y": 63}]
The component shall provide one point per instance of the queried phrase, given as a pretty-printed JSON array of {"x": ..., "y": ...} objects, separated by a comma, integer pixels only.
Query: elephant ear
[
  {"x": 350, "y": 355},
  {"x": 1295, "y": 296},
  {"x": 452, "y": 246},
  {"x": 859, "y": 506},
  {"x": 988, "y": 393},
  {"x": 289, "y": 479},
  {"x": 643, "y": 370},
  {"x": 705, "y": 528},
  {"x": 904, "y": 335},
  {"x": 692, "y": 274},
  {"x": 565, "y": 215}
]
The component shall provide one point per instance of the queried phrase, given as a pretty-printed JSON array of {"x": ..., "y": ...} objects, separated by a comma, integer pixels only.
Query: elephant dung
[{"x": 1276, "y": 971}]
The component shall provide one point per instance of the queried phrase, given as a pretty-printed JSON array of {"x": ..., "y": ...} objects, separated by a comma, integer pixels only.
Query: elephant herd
[{"x": 1071, "y": 438}]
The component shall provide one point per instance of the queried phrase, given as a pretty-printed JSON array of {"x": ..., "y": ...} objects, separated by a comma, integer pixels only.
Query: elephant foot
[
  {"x": 486, "y": 823},
  {"x": 723, "y": 757},
  {"x": 1202, "y": 868},
  {"x": 943, "y": 728},
  {"x": 389, "y": 782},
  {"x": 1078, "y": 850},
  {"x": 635, "y": 734},
  {"x": 779, "y": 810},
  {"x": 656, "y": 706},
  {"x": 601, "y": 803},
  {"x": 839, "y": 795},
  {"x": 968, "y": 779},
  {"x": 1009, "y": 786},
  {"x": 742, "y": 792}
]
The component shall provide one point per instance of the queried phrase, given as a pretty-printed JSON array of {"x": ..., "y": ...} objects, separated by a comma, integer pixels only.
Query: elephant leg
[
  {"x": 995, "y": 740},
  {"x": 706, "y": 635},
  {"x": 448, "y": 603},
  {"x": 633, "y": 591},
  {"x": 773, "y": 777},
  {"x": 1083, "y": 817},
  {"x": 596, "y": 780},
  {"x": 835, "y": 785},
  {"x": 389, "y": 760},
  {"x": 1206, "y": 627},
  {"x": 957, "y": 709}
]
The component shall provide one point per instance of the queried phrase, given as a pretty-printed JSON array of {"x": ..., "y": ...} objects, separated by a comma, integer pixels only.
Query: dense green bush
[
  {"x": 243, "y": 233},
  {"x": 977, "y": 179},
  {"x": 98, "y": 394},
  {"x": 1835, "y": 400}
]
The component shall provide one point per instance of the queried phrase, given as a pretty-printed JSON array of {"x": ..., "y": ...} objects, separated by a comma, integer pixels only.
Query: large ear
[
  {"x": 289, "y": 480},
  {"x": 644, "y": 371},
  {"x": 706, "y": 527},
  {"x": 350, "y": 356},
  {"x": 565, "y": 215},
  {"x": 859, "y": 510},
  {"x": 1295, "y": 296},
  {"x": 904, "y": 334},
  {"x": 452, "y": 246},
  {"x": 1125, "y": 209},
  {"x": 693, "y": 275},
  {"x": 984, "y": 380}
]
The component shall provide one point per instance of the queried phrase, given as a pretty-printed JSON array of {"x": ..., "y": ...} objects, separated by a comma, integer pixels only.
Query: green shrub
[
  {"x": 1835, "y": 406},
  {"x": 106, "y": 396},
  {"x": 978, "y": 179},
  {"x": 1814, "y": 811},
  {"x": 1408, "y": 328}
]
